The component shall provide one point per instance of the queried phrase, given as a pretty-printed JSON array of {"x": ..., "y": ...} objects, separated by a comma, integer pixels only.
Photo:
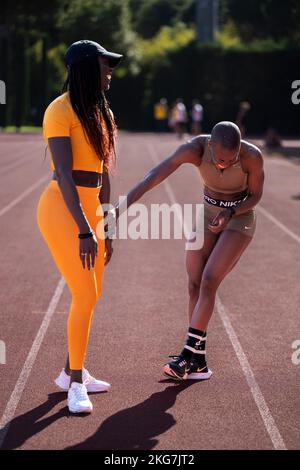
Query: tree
[
  {"x": 107, "y": 22},
  {"x": 150, "y": 15},
  {"x": 261, "y": 19},
  {"x": 27, "y": 22}
]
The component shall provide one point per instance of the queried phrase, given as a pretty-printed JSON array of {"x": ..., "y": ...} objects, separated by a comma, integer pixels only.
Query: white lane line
[
  {"x": 273, "y": 219},
  {"x": 29, "y": 362},
  {"x": 15, "y": 164},
  {"x": 12, "y": 155},
  {"x": 23, "y": 195},
  {"x": 258, "y": 397},
  {"x": 17, "y": 155},
  {"x": 169, "y": 190}
]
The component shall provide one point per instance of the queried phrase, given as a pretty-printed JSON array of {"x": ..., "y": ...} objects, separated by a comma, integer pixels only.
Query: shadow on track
[
  {"x": 22, "y": 427},
  {"x": 137, "y": 427}
]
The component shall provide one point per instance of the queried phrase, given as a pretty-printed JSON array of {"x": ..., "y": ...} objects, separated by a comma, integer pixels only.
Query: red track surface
[{"x": 142, "y": 318}]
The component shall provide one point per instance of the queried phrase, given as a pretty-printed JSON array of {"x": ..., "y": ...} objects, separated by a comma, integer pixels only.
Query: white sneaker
[
  {"x": 92, "y": 384},
  {"x": 78, "y": 399}
]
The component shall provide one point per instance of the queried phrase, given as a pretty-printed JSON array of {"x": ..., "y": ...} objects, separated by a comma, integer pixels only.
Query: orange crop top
[{"x": 60, "y": 120}]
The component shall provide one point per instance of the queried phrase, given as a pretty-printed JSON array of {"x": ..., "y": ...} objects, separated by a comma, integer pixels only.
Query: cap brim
[{"x": 114, "y": 59}]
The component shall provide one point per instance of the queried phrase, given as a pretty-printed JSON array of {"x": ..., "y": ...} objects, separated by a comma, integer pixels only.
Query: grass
[{"x": 22, "y": 129}]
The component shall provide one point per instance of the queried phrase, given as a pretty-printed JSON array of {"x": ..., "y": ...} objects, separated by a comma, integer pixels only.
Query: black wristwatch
[
  {"x": 232, "y": 211},
  {"x": 85, "y": 235}
]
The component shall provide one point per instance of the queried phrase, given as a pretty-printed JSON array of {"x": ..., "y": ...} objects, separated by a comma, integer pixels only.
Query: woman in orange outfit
[{"x": 79, "y": 128}]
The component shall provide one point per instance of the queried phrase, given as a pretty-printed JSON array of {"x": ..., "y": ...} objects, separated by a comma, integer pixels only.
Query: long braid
[{"x": 92, "y": 108}]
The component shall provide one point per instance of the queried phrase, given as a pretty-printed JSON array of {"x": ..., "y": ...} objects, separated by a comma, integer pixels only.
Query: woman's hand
[
  {"x": 88, "y": 250},
  {"x": 108, "y": 251},
  {"x": 220, "y": 221}
]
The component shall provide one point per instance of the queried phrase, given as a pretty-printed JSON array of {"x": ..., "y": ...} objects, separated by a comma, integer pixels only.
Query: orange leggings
[{"x": 60, "y": 232}]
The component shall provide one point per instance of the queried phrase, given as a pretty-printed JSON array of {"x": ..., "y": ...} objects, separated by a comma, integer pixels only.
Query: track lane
[{"x": 137, "y": 392}]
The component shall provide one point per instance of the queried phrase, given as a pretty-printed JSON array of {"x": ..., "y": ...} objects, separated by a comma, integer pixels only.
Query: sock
[
  {"x": 193, "y": 342},
  {"x": 199, "y": 356}
]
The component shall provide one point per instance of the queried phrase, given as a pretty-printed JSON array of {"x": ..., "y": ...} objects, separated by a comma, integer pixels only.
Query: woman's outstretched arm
[{"x": 189, "y": 152}]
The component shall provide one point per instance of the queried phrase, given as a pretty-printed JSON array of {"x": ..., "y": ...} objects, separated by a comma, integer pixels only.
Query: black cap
[{"x": 79, "y": 50}]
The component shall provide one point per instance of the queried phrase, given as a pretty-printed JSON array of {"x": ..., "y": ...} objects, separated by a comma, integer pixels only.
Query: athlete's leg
[
  {"x": 61, "y": 234},
  {"x": 226, "y": 253},
  {"x": 195, "y": 263},
  {"x": 98, "y": 227},
  {"x": 78, "y": 342},
  {"x": 98, "y": 270},
  {"x": 192, "y": 360}
]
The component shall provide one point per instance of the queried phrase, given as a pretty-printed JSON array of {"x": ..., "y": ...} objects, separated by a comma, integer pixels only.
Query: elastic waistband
[{"x": 222, "y": 203}]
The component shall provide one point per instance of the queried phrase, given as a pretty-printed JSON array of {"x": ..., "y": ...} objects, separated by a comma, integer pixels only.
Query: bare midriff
[{"x": 90, "y": 179}]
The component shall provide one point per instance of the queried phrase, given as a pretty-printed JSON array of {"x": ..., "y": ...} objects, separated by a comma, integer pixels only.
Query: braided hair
[{"x": 91, "y": 106}]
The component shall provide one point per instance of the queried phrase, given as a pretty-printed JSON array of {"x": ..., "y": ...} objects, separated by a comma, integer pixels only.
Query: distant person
[
  {"x": 244, "y": 108},
  {"x": 179, "y": 118},
  {"x": 272, "y": 138},
  {"x": 161, "y": 115},
  {"x": 197, "y": 117},
  {"x": 171, "y": 117}
]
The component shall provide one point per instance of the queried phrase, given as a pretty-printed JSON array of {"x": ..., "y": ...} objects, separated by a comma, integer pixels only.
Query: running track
[{"x": 253, "y": 398}]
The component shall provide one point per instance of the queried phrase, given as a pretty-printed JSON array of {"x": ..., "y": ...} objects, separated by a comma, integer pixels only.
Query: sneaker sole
[
  {"x": 83, "y": 410},
  {"x": 171, "y": 374},
  {"x": 200, "y": 375}
]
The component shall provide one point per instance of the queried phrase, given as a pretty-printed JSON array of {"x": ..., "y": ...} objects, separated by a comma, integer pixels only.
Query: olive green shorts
[{"x": 243, "y": 223}]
